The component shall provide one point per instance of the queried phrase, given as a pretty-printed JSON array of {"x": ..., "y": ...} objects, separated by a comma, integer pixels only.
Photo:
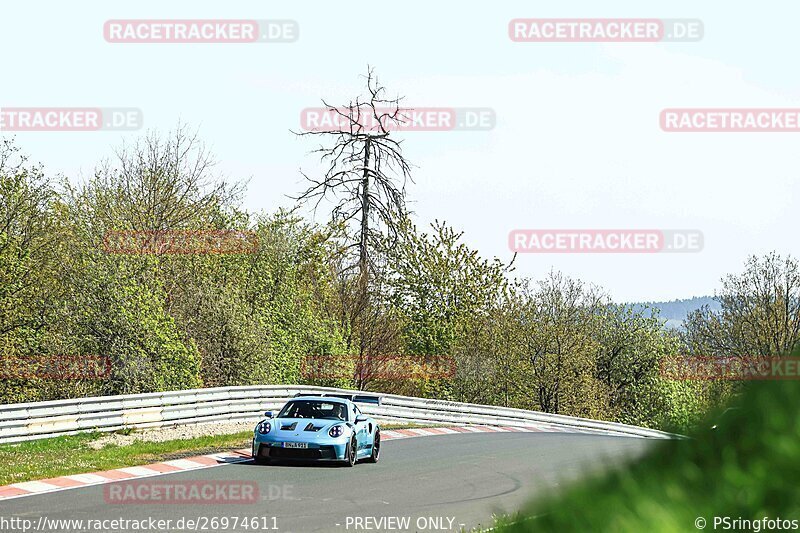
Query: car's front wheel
[
  {"x": 376, "y": 448},
  {"x": 351, "y": 452},
  {"x": 254, "y": 453}
]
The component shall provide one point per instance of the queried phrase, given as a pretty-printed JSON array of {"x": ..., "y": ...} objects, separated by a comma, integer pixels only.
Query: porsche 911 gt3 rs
[{"x": 319, "y": 428}]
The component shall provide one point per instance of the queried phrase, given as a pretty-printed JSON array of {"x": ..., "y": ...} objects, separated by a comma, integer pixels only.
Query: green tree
[
  {"x": 760, "y": 312},
  {"x": 27, "y": 242},
  {"x": 441, "y": 290}
]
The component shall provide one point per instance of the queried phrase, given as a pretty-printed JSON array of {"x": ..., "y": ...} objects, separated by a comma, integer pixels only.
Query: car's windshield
[{"x": 314, "y": 409}]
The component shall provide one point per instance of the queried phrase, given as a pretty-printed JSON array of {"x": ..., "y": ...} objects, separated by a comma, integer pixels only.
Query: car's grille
[
  {"x": 294, "y": 453},
  {"x": 324, "y": 452}
]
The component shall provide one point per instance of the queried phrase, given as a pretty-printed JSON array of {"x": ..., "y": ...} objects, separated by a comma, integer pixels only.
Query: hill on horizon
[{"x": 674, "y": 312}]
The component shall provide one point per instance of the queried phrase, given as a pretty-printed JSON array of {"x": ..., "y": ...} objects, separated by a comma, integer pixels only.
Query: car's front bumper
[{"x": 316, "y": 451}]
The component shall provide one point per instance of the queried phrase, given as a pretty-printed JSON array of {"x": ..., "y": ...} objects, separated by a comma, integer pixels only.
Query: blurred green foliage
[{"x": 743, "y": 462}]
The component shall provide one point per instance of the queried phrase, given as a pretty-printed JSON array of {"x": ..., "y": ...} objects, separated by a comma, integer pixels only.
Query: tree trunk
[{"x": 363, "y": 263}]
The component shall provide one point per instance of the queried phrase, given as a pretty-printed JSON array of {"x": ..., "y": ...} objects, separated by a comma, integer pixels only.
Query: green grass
[
  {"x": 62, "y": 456},
  {"x": 748, "y": 468}
]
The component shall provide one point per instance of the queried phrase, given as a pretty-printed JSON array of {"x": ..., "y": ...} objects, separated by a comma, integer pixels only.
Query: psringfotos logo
[
  {"x": 324, "y": 119},
  {"x": 730, "y": 120},
  {"x": 201, "y": 31},
  {"x": 727, "y": 523},
  {"x": 574, "y": 30},
  {"x": 604, "y": 241},
  {"x": 70, "y": 119}
]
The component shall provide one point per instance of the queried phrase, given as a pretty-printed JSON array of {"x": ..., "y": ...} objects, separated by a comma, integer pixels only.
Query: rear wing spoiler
[{"x": 356, "y": 398}]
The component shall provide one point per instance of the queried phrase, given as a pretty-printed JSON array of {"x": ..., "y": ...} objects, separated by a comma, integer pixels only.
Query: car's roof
[{"x": 332, "y": 399}]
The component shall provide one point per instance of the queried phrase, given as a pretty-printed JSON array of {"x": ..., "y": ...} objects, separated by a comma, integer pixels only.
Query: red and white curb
[
  {"x": 29, "y": 488},
  {"x": 43, "y": 486},
  {"x": 428, "y": 432}
]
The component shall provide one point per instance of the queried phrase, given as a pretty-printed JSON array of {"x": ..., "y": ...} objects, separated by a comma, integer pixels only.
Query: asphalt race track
[{"x": 439, "y": 483}]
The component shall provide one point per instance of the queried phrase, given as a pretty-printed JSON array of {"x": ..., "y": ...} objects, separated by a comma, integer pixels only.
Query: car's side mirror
[
  {"x": 361, "y": 418},
  {"x": 268, "y": 414}
]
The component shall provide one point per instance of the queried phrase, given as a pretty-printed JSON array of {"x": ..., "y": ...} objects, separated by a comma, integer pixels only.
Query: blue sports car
[{"x": 319, "y": 428}]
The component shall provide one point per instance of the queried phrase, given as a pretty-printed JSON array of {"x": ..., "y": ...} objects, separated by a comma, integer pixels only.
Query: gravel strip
[{"x": 166, "y": 433}]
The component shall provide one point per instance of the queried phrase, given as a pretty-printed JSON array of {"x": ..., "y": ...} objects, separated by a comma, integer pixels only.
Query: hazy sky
[{"x": 577, "y": 142}]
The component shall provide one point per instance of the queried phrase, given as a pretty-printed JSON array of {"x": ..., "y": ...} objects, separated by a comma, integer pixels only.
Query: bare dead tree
[
  {"x": 366, "y": 172},
  {"x": 365, "y": 176}
]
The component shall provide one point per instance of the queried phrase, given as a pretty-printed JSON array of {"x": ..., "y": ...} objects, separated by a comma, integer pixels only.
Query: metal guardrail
[{"x": 29, "y": 421}]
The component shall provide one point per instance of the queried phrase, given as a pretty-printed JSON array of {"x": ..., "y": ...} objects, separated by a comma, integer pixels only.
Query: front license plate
[{"x": 295, "y": 445}]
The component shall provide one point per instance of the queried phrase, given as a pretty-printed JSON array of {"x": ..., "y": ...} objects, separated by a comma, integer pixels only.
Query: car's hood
[{"x": 305, "y": 425}]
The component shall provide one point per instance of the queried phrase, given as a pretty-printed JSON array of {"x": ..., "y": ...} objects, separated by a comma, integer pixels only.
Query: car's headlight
[
  {"x": 336, "y": 431},
  {"x": 264, "y": 427}
]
